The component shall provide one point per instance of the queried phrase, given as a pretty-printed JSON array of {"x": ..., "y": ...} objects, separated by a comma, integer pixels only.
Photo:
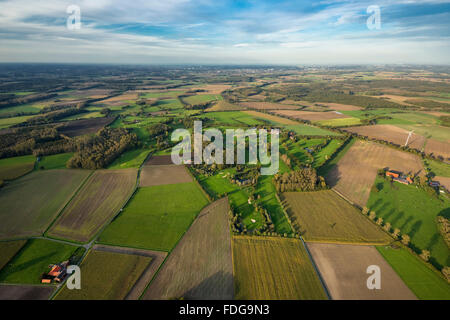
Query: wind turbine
[{"x": 409, "y": 137}]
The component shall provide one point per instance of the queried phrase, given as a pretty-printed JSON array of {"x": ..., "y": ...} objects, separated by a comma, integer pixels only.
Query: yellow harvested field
[
  {"x": 311, "y": 115},
  {"x": 271, "y": 117},
  {"x": 355, "y": 173},
  {"x": 213, "y": 88},
  {"x": 438, "y": 148},
  {"x": 444, "y": 181},
  {"x": 325, "y": 217},
  {"x": 389, "y": 133},
  {"x": 274, "y": 269}
]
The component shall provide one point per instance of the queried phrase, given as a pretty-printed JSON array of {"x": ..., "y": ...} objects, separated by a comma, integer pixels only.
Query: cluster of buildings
[
  {"x": 57, "y": 273},
  {"x": 399, "y": 177}
]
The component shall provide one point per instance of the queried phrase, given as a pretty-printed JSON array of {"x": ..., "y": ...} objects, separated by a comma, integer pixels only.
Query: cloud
[{"x": 207, "y": 31}]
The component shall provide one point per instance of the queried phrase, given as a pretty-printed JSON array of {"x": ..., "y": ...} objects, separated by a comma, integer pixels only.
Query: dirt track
[{"x": 343, "y": 268}]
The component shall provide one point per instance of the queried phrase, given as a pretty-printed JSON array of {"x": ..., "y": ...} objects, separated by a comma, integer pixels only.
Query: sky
[{"x": 219, "y": 32}]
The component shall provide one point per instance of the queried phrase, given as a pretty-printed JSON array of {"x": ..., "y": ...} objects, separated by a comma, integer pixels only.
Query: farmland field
[
  {"x": 46, "y": 193},
  {"x": 340, "y": 122},
  {"x": 95, "y": 204},
  {"x": 22, "y": 292},
  {"x": 200, "y": 266},
  {"x": 219, "y": 184},
  {"x": 84, "y": 126},
  {"x": 33, "y": 260},
  {"x": 419, "y": 277},
  {"x": 157, "y": 258},
  {"x": 130, "y": 159},
  {"x": 312, "y": 116},
  {"x": 57, "y": 161},
  {"x": 262, "y": 266},
  {"x": 159, "y": 160},
  {"x": 9, "y": 250},
  {"x": 438, "y": 148},
  {"x": 202, "y": 98},
  {"x": 354, "y": 174},
  {"x": 390, "y": 133},
  {"x": 325, "y": 217},
  {"x": 107, "y": 276},
  {"x": 269, "y": 201},
  {"x": 404, "y": 207},
  {"x": 348, "y": 281},
  {"x": 164, "y": 174},
  {"x": 156, "y": 217},
  {"x": 224, "y": 106},
  {"x": 268, "y": 106},
  {"x": 12, "y": 168}
]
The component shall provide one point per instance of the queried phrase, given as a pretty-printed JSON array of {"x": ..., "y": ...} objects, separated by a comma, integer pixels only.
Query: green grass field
[
  {"x": 233, "y": 118},
  {"x": 8, "y": 122},
  {"x": 106, "y": 276},
  {"x": 156, "y": 217},
  {"x": 12, "y": 168},
  {"x": 33, "y": 260},
  {"x": 57, "y": 161},
  {"x": 219, "y": 184},
  {"x": 268, "y": 201},
  {"x": 9, "y": 250},
  {"x": 324, "y": 169},
  {"x": 172, "y": 94},
  {"x": 324, "y": 216},
  {"x": 202, "y": 98},
  {"x": 438, "y": 168},
  {"x": 36, "y": 199},
  {"x": 341, "y": 122},
  {"x": 130, "y": 159},
  {"x": 419, "y": 277},
  {"x": 324, "y": 154},
  {"x": 414, "y": 212}
]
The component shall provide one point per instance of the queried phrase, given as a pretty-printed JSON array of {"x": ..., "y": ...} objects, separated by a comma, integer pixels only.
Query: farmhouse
[
  {"x": 398, "y": 176},
  {"x": 57, "y": 273}
]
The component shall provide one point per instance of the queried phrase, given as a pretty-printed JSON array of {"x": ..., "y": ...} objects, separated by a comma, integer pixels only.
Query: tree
[
  {"x": 372, "y": 215},
  {"x": 379, "y": 221},
  {"x": 405, "y": 239},
  {"x": 396, "y": 232},
  {"x": 446, "y": 272},
  {"x": 387, "y": 227},
  {"x": 425, "y": 255},
  {"x": 365, "y": 211}
]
